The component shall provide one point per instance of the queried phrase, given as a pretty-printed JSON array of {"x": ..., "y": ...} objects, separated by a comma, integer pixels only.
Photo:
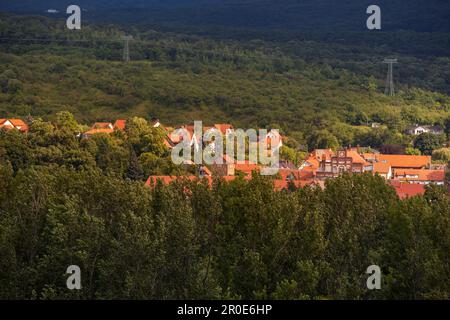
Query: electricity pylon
[
  {"x": 126, "y": 49},
  {"x": 389, "y": 89}
]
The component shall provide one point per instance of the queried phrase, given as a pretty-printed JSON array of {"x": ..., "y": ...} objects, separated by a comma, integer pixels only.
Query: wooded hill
[{"x": 180, "y": 78}]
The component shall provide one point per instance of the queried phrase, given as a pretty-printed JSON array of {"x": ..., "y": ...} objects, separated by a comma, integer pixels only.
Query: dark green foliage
[
  {"x": 134, "y": 171},
  {"x": 427, "y": 142},
  {"x": 231, "y": 240}
]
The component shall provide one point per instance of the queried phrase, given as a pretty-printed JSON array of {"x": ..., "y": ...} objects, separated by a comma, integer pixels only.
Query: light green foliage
[{"x": 442, "y": 154}]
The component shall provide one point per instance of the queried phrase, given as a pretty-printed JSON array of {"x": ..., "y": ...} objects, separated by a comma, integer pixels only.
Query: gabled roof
[
  {"x": 370, "y": 156},
  {"x": 14, "y": 124},
  {"x": 120, "y": 124},
  {"x": 356, "y": 157},
  {"x": 404, "y": 161},
  {"x": 422, "y": 175},
  {"x": 320, "y": 154},
  {"x": 381, "y": 167}
]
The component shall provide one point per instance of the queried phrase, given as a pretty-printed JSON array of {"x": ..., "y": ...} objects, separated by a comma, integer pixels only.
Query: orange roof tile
[
  {"x": 120, "y": 124},
  {"x": 14, "y": 123},
  {"x": 247, "y": 167},
  {"x": 408, "y": 190},
  {"x": 369, "y": 156},
  {"x": 318, "y": 154},
  {"x": 404, "y": 161},
  {"x": 356, "y": 157},
  {"x": 381, "y": 167},
  {"x": 223, "y": 127},
  {"x": 420, "y": 175}
]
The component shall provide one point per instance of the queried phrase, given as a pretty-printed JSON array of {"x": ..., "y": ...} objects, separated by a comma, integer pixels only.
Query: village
[{"x": 407, "y": 174}]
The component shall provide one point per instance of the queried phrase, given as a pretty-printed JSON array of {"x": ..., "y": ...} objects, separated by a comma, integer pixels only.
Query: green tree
[
  {"x": 134, "y": 170},
  {"x": 428, "y": 142},
  {"x": 442, "y": 154}
]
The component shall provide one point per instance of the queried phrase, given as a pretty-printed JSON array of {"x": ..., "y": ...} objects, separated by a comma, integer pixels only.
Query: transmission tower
[
  {"x": 126, "y": 49},
  {"x": 389, "y": 90}
]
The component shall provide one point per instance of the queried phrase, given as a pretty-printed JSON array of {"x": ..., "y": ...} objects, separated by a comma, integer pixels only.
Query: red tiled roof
[
  {"x": 356, "y": 157},
  {"x": 408, "y": 190},
  {"x": 120, "y": 124},
  {"x": 381, "y": 167},
  {"x": 14, "y": 123},
  {"x": 247, "y": 167},
  {"x": 223, "y": 127},
  {"x": 297, "y": 174},
  {"x": 404, "y": 161},
  {"x": 420, "y": 175},
  {"x": 319, "y": 154}
]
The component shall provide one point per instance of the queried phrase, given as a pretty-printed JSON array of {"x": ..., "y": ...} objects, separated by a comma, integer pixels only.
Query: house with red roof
[
  {"x": 106, "y": 127},
  {"x": 333, "y": 165},
  {"x": 383, "y": 169},
  {"x": 17, "y": 124},
  {"x": 120, "y": 124},
  {"x": 224, "y": 128},
  {"x": 407, "y": 190},
  {"x": 400, "y": 161},
  {"x": 424, "y": 176}
]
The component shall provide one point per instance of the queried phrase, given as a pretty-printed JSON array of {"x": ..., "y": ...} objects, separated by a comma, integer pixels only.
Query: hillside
[{"x": 180, "y": 78}]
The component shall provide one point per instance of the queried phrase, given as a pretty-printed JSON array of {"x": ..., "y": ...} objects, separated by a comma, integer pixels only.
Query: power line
[
  {"x": 389, "y": 89},
  {"x": 126, "y": 49}
]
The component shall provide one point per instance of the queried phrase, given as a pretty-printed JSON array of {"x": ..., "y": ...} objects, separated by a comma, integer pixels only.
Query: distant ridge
[{"x": 303, "y": 15}]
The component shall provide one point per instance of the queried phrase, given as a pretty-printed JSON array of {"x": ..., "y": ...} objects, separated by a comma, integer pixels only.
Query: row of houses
[
  {"x": 109, "y": 127},
  {"x": 408, "y": 174},
  {"x": 326, "y": 163},
  {"x": 174, "y": 136}
]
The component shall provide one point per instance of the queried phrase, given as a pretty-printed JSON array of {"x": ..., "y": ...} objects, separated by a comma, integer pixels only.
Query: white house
[{"x": 416, "y": 130}]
